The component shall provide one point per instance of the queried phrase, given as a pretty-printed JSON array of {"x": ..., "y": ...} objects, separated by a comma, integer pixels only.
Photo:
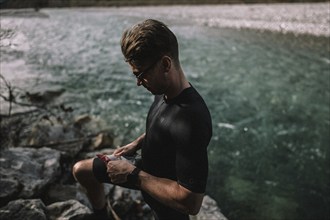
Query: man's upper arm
[{"x": 191, "y": 154}]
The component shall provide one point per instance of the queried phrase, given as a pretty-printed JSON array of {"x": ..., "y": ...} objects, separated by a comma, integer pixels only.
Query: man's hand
[
  {"x": 131, "y": 148},
  {"x": 126, "y": 150},
  {"x": 118, "y": 170}
]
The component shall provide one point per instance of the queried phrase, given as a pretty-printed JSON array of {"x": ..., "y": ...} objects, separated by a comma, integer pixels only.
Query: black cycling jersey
[{"x": 178, "y": 132}]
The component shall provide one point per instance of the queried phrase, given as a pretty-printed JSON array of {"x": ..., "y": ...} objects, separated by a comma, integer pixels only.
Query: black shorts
[{"x": 100, "y": 173}]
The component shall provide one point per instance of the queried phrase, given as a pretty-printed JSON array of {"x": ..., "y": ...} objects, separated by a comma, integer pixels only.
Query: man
[{"x": 173, "y": 174}]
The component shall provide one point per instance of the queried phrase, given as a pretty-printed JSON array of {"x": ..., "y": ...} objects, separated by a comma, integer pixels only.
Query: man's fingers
[
  {"x": 116, "y": 178},
  {"x": 111, "y": 172}
]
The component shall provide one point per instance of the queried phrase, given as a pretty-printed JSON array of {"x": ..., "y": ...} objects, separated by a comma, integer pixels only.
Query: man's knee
[{"x": 82, "y": 170}]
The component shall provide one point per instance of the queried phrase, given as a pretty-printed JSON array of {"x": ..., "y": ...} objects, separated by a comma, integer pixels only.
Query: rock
[
  {"x": 129, "y": 204},
  {"x": 10, "y": 188},
  {"x": 209, "y": 210},
  {"x": 60, "y": 193},
  {"x": 32, "y": 170},
  {"x": 68, "y": 150},
  {"x": 66, "y": 109},
  {"x": 81, "y": 120},
  {"x": 71, "y": 209},
  {"x": 88, "y": 155},
  {"x": 24, "y": 209},
  {"x": 65, "y": 138},
  {"x": 48, "y": 130},
  {"x": 103, "y": 140},
  {"x": 43, "y": 98}
]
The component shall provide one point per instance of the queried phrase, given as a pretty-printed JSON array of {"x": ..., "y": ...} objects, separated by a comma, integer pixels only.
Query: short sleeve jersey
[{"x": 178, "y": 132}]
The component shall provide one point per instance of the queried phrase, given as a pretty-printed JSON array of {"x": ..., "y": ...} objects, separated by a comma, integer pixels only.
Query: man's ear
[{"x": 167, "y": 63}]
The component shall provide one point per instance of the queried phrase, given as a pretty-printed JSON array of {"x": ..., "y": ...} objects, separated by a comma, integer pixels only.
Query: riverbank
[{"x": 298, "y": 18}]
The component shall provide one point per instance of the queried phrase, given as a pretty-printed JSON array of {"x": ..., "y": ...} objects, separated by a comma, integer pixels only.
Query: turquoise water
[{"x": 268, "y": 93}]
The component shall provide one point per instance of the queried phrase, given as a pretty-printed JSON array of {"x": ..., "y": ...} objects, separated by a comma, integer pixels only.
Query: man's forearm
[
  {"x": 170, "y": 193},
  {"x": 138, "y": 142}
]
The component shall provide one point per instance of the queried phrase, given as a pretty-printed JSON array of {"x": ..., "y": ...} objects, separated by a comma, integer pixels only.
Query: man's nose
[{"x": 138, "y": 82}]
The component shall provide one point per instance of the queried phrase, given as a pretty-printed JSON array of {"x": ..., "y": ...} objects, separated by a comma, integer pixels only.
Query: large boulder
[
  {"x": 25, "y": 172},
  {"x": 24, "y": 209}
]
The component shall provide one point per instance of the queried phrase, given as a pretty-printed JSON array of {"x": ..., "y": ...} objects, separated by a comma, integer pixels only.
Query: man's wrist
[{"x": 133, "y": 177}]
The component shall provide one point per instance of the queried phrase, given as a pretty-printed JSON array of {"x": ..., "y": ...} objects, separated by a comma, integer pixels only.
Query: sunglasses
[{"x": 139, "y": 76}]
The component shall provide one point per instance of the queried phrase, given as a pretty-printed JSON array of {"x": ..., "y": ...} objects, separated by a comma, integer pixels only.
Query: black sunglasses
[{"x": 140, "y": 75}]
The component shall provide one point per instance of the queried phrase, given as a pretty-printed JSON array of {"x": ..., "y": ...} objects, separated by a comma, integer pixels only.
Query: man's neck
[{"x": 178, "y": 84}]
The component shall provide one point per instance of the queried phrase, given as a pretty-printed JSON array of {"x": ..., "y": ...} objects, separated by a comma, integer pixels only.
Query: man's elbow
[
  {"x": 193, "y": 206},
  {"x": 193, "y": 209},
  {"x": 190, "y": 202}
]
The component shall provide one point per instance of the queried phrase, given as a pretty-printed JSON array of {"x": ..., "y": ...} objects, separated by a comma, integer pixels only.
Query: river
[{"x": 268, "y": 94}]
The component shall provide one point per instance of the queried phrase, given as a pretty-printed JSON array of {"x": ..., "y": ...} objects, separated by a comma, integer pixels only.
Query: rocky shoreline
[{"x": 38, "y": 150}]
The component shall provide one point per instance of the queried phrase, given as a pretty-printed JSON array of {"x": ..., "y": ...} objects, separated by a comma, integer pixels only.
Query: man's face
[{"x": 151, "y": 77}]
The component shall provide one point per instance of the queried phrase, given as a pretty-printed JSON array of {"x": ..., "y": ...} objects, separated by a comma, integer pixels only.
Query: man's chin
[
  {"x": 147, "y": 88},
  {"x": 150, "y": 90},
  {"x": 153, "y": 91}
]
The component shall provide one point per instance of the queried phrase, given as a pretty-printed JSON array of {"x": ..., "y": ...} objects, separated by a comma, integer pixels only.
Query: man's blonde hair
[{"x": 148, "y": 41}]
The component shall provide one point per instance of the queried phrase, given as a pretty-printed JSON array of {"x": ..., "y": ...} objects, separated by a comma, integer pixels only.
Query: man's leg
[{"x": 83, "y": 173}]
